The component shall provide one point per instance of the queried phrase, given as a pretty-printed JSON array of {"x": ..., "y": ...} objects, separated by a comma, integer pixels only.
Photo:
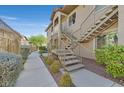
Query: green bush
[
  {"x": 100, "y": 56},
  {"x": 109, "y": 54},
  {"x": 42, "y": 49},
  {"x": 113, "y": 58},
  {"x": 115, "y": 69},
  {"x": 55, "y": 67},
  {"x": 65, "y": 80}
]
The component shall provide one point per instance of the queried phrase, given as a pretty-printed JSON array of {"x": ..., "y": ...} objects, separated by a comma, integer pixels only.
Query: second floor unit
[{"x": 77, "y": 20}]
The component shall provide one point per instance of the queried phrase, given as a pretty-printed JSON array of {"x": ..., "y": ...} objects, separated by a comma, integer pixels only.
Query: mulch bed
[
  {"x": 55, "y": 76},
  {"x": 92, "y": 66}
]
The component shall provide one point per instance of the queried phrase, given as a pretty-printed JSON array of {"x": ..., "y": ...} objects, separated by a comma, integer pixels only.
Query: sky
[{"x": 29, "y": 19}]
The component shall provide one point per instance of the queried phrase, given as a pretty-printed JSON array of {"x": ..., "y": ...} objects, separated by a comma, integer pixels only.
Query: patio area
[{"x": 85, "y": 78}]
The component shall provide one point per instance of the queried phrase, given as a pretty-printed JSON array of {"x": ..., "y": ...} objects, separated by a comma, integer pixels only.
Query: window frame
[
  {"x": 56, "y": 21},
  {"x": 106, "y": 37},
  {"x": 72, "y": 19},
  {"x": 97, "y": 10}
]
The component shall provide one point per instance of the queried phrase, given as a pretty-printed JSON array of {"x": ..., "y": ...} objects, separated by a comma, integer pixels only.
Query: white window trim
[
  {"x": 69, "y": 19},
  {"x": 97, "y": 11},
  {"x": 111, "y": 30}
]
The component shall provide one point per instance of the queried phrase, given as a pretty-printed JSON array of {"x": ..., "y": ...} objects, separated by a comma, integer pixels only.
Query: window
[
  {"x": 101, "y": 41},
  {"x": 112, "y": 38},
  {"x": 109, "y": 39},
  {"x": 51, "y": 29},
  {"x": 72, "y": 19},
  {"x": 98, "y": 7},
  {"x": 56, "y": 21}
]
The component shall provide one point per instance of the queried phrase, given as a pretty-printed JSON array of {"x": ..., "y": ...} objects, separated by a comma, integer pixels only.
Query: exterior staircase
[
  {"x": 108, "y": 19},
  {"x": 69, "y": 61},
  {"x": 73, "y": 40},
  {"x": 105, "y": 21}
]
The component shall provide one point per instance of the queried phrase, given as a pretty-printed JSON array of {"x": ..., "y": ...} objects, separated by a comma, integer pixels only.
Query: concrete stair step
[
  {"x": 103, "y": 17},
  {"x": 89, "y": 30},
  {"x": 97, "y": 22},
  {"x": 74, "y": 67},
  {"x": 92, "y": 27},
  {"x": 69, "y": 57},
  {"x": 62, "y": 54},
  {"x": 63, "y": 51},
  {"x": 109, "y": 12},
  {"x": 69, "y": 62},
  {"x": 114, "y": 7}
]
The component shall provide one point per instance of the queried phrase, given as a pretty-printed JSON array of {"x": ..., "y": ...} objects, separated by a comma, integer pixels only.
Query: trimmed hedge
[{"x": 113, "y": 58}]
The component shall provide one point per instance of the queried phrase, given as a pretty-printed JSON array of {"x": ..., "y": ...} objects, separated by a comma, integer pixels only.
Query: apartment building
[
  {"x": 10, "y": 40},
  {"x": 83, "y": 28}
]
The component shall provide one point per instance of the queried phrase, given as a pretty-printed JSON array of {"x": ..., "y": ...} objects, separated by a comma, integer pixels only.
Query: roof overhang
[
  {"x": 66, "y": 9},
  {"x": 48, "y": 27}
]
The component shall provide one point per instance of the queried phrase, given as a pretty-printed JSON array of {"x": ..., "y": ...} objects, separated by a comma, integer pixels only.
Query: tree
[{"x": 38, "y": 40}]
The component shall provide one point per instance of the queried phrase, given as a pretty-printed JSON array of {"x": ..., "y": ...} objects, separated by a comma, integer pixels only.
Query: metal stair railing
[
  {"x": 78, "y": 56},
  {"x": 75, "y": 43},
  {"x": 69, "y": 35}
]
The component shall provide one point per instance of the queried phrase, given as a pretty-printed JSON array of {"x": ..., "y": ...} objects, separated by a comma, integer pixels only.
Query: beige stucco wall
[
  {"x": 81, "y": 14},
  {"x": 121, "y": 25},
  {"x": 87, "y": 49},
  {"x": 49, "y": 34},
  {"x": 101, "y": 12}
]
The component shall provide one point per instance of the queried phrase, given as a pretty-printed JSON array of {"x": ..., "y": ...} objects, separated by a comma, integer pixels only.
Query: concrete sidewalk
[
  {"x": 85, "y": 78},
  {"x": 35, "y": 74}
]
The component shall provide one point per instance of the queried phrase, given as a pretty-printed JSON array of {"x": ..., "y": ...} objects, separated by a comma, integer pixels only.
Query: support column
[
  {"x": 59, "y": 33},
  {"x": 121, "y": 25}
]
